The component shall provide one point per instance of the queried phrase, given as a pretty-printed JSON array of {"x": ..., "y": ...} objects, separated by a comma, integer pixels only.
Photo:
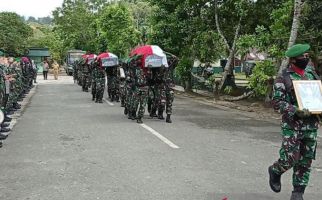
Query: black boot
[
  {"x": 153, "y": 113},
  {"x": 100, "y": 101},
  {"x": 7, "y": 119},
  {"x": 160, "y": 115},
  {"x": 274, "y": 180},
  {"x": 133, "y": 115},
  {"x": 3, "y": 137},
  {"x": 93, "y": 98},
  {"x": 298, "y": 192},
  {"x": 297, "y": 196},
  {"x": 4, "y": 125},
  {"x": 168, "y": 120},
  {"x": 4, "y": 130},
  {"x": 129, "y": 114},
  {"x": 122, "y": 104},
  {"x": 139, "y": 120},
  {"x": 126, "y": 111}
]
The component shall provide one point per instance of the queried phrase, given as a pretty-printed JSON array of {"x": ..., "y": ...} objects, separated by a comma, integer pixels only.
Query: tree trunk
[
  {"x": 231, "y": 58},
  {"x": 298, "y": 5}
]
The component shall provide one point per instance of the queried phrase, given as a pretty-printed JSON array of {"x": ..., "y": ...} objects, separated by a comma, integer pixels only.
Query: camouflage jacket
[{"x": 284, "y": 100}]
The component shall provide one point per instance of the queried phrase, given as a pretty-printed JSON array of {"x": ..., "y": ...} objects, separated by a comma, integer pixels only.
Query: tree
[
  {"x": 74, "y": 22},
  {"x": 14, "y": 33},
  {"x": 298, "y": 6},
  {"x": 116, "y": 30}
]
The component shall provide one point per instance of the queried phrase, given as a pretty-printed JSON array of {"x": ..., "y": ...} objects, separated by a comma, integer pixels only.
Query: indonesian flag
[
  {"x": 90, "y": 58},
  {"x": 152, "y": 55},
  {"x": 107, "y": 59}
]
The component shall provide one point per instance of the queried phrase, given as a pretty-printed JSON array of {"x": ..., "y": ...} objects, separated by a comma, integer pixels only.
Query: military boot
[
  {"x": 3, "y": 137},
  {"x": 4, "y": 125},
  {"x": 298, "y": 192},
  {"x": 125, "y": 111},
  {"x": 100, "y": 101},
  {"x": 139, "y": 120},
  {"x": 153, "y": 113},
  {"x": 130, "y": 114},
  {"x": 297, "y": 196},
  {"x": 168, "y": 120},
  {"x": 133, "y": 115},
  {"x": 4, "y": 130},
  {"x": 93, "y": 98},
  {"x": 122, "y": 103},
  {"x": 274, "y": 180},
  {"x": 160, "y": 114},
  {"x": 7, "y": 119}
]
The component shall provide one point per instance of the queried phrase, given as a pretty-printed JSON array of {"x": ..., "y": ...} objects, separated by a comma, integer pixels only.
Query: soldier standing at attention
[{"x": 299, "y": 127}]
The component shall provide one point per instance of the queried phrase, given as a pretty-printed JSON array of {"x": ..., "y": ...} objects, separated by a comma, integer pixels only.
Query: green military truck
[{"x": 72, "y": 56}]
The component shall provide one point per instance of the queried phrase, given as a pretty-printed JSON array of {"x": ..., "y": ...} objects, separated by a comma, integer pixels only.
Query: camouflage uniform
[
  {"x": 112, "y": 83},
  {"x": 299, "y": 134},
  {"x": 98, "y": 86},
  {"x": 140, "y": 94},
  {"x": 157, "y": 92},
  {"x": 86, "y": 77}
]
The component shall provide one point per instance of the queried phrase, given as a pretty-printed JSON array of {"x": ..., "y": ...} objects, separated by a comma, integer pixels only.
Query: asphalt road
[{"x": 64, "y": 146}]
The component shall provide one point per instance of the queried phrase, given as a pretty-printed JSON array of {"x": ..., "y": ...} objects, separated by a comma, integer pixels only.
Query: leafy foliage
[
  {"x": 13, "y": 34},
  {"x": 262, "y": 73},
  {"x": 116, "y": 29}
]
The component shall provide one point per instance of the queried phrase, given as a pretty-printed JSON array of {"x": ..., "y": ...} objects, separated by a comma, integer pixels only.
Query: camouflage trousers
[
  {"x": 169, "y": 93},
  {"x": 122, "y": 93},
  {"x": 139, "y": 102},
  {"x": 85, "y": 82},
  {"x": 297, "y": 152},
  {"x": 100, "y": 87},
  {"x": 157, "y": 97}
]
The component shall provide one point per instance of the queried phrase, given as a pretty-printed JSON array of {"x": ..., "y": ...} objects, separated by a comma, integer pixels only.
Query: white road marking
[
  {"x": 108, "y": 102},
  {"x": 161, "y": 137}
]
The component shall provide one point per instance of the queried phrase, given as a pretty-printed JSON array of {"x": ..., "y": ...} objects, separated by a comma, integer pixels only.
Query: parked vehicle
[{"x": 72, "y": 57}]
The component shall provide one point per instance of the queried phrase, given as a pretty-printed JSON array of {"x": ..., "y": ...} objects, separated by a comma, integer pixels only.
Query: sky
[{"x": 35, "y": 8}]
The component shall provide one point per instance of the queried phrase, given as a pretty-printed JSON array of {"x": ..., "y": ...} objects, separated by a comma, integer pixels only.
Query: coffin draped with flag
[
  {"x": 107, "y": 60},
  {"x": 150, "y": 55}
]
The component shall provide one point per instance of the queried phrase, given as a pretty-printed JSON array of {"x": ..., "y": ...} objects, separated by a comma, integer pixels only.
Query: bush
[
  {"x": 262, "y": 73},
  {"x": 183, "y": 70}
]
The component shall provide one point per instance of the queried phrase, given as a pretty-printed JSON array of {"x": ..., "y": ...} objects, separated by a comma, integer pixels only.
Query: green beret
[
  {"x": 1, "y": 53},
  {"x": 297, "y": 50}
]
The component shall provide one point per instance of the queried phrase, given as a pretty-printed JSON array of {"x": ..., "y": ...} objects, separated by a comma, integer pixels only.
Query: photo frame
[{"x": 309, "y": 95}]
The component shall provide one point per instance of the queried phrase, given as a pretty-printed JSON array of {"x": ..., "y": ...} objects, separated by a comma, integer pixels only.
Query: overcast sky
[{"x": 35, "y": 8}]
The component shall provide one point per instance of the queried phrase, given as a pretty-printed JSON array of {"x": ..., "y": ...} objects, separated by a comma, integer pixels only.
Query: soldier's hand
[{"x": 303, "y": 113}]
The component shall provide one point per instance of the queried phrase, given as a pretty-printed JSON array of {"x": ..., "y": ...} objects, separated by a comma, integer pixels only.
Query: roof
[{"x": 38, "y": 52}]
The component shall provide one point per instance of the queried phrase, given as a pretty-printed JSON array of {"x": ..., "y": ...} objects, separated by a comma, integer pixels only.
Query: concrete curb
[
  {"x": 26, "y": 101},
  {"x": 225, "y": 105}
]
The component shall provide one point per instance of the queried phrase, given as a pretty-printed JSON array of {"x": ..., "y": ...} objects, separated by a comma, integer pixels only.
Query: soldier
[
  {"x": 140, "y": 92},
  {"x": 299, "y": 127},
  {"x": 112, "y": 83},
  {"x": 98, "y": 80},
  {"x": 169, "y": 86}
]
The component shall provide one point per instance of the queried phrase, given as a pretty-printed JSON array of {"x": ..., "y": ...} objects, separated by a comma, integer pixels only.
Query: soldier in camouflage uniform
[
  {"x": 157, "y": 97},
  {"x": 299, "y": 127},
  {"x": 112, "y": 83},
  {"x": 85, "y": 75},
  {"x": 140, "y": 92},
  {"x": 98, "y": 82},
  {"x": 169, "y": 86}
]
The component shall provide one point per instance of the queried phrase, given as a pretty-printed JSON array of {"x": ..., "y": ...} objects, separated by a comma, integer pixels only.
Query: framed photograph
[{"x": 309, "y": 95}]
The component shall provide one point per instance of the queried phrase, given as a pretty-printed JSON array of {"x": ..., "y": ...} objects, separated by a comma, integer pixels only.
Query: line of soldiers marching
[
  {"x": 130, "y": 84},
  {"x": 16, "y": 79}
]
